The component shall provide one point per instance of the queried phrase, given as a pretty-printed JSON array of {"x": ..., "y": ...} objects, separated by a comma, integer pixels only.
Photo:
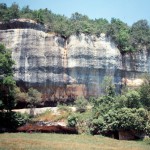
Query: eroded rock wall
[{"x": 63, "y": 69}]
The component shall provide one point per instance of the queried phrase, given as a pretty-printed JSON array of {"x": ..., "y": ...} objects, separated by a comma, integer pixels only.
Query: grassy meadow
[{"x": 41, "y": 141}]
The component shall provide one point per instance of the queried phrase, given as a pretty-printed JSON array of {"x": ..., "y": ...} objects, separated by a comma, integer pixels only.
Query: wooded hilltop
[{"x": 127, "y": 38}]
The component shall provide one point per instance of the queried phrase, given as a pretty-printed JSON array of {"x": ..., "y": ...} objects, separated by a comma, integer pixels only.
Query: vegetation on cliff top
[{"x": 127, "y": 38}]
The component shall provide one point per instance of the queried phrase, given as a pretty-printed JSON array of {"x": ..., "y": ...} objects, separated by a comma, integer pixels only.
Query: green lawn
[{"x": 41, "y": 141}]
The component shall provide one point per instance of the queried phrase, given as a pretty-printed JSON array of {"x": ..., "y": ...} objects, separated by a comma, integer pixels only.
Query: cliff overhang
[{"x": 22, "y": 23}]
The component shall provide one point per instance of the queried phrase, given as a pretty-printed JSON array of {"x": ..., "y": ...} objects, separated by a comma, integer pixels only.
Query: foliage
[
  {"x": 122, "y": 112},
  {"x": 81, "y": 104},
  {"x": 127, "y": 119},
  {"x": 111, "y": 118},
  {"x": 144, "y": 91},
  {"x": 140, "y": 34},
  {"x": 20, "y": 96},
  {"x": 72, "y": 120},
  {"x": 12, "y": 120},
  {"x": 131, "y": 99},
  {"x": 7, "y": 83},
  {"x": 119, "y": 32},
  {"x": 81, "y": 121},
  {"x": 31, "y": 99},
  {"x": 34, "y": 97},
  {"x": 127, "y": 39},
  {"x": 108, "y": 88}
]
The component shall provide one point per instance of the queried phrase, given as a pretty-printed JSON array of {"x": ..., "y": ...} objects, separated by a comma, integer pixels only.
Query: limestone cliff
[{"x": 63, "y": 69}]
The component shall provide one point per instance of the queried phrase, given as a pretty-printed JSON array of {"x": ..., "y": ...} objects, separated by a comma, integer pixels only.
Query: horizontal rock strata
[{"x": 63, "y": 69}]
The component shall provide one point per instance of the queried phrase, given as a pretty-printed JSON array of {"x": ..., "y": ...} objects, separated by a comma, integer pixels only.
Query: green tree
[
  {"x": 108, "y": 87},
  {"x": 140, "y": 33},
  {"x": 26, "y": 12},
  {"x": 7, "y": 83},
  {"x": 34, "y": 97},
  {"x": 14, "y": 11},
  {"x": 145, "y": 92},
  {"x": 119, "y": 32},
  {"x": 26, "y": 9},
  {"x": 3, "y": 12},
  {"x": 62, "y": 26},
  {"x": 81, "y": 104},
  {"x": 126, "y": 119},
  {"x": 21, "y": 98},
  {"x": 131, "y": 99},
  {"x": 101, "y": 26},
  {"x": 106, "y": 102},
  {"x": 81, "y": 24},
  {"x": 114, "y": 113}
]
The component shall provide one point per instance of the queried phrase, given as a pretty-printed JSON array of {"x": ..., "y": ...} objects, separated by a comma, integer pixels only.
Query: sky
[{"x": 128, "y": 11}]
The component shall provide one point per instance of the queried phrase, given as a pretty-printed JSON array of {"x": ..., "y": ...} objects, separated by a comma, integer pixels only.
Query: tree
[
  {"x": 81, "y": 104},
  {"x": 21, "y": 98},
  {"x": 34, "y": 97},
  {"x": 144, "y": 91},
  {"x": 101, "y": 26},
  {"x": 126, "y": 119},
  {"x": 108, "y": 87},
  {"x": 140, "y": 33},
  {"x": 14, "y": 11},
  {"x": 119, "y": 32},
  {"x": 106, "y": 102},
  {"x": 25, "y": 10},
  {"x": 114, "y": 113},
  {"x": 3, "y": 11},
  {"x": 7, "y": 83},
  {"x": 131, "y": 99},
  {"x": 81, "y": 23}
]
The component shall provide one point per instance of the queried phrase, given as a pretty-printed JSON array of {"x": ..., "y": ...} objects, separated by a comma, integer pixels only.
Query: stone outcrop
[
  {"x": 63, "y": 69},
  {"x": 22, "y": 23}
]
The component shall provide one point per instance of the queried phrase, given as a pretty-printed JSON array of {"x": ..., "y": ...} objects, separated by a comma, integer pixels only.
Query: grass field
[{"x": 41, "y": 141}]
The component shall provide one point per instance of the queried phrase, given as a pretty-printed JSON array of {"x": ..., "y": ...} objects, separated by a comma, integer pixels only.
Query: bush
[
  {"x": 34, "y": 97},
  {"x": 144, "y": 91},
  {"x": 81, "y": 104},
  {"x": 130, "y": 99},
  {"x": 96, "y": 126},
  {"x": 72, "y": 121},
  {"x": 12, "y": 120}
]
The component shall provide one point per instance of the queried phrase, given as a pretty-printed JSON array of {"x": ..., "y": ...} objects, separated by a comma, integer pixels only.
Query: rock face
[{"x": 63, "y": 69}]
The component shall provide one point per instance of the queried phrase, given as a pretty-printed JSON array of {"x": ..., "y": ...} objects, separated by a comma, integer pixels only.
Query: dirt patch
[{"x": 47, "y": 129}]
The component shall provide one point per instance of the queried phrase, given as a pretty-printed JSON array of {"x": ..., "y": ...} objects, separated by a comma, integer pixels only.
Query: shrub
[
  {"x": 34, "y": 97},
  {"x": 72, "y": 121},
  {"x": 12, "y": 120},
  {"x": 81, "y": 104}
]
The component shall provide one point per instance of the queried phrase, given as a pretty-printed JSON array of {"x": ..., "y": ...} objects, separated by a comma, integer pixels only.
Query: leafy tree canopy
[
  {"x": 128, "y": 111},
  {"x": 7, "y": 83},
  {"x": 127, "y": 39}
]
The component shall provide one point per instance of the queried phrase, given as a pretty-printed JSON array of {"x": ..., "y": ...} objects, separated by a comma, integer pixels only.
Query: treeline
[{"x": 127, "y": 38}]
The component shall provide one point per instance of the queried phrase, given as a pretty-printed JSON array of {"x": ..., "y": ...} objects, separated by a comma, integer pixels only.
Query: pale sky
[{"x": 128, "y": 11}]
